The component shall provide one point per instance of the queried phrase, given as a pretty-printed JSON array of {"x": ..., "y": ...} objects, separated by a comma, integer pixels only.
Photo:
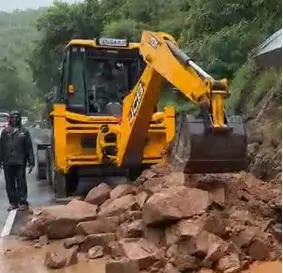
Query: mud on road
[
  {"x": 22, "y": 257},
  {"x": 166, "y": 220}
]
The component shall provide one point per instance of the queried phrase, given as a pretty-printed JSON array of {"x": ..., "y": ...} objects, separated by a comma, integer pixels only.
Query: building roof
[
  {"x": 271, "y": 43},
  {"x": 269, "y": 53}
]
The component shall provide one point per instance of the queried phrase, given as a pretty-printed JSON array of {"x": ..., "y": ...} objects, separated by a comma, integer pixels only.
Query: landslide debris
[{"x": 168, "y": 222}]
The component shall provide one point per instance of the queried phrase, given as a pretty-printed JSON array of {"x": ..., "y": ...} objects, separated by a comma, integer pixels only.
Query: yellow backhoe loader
[{"x": 105, "y": 120}]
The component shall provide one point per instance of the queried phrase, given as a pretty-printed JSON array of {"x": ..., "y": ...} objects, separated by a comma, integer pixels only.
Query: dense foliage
[
  {"x": 217, "y": 34},
  {"x": 18, "y": 33}
]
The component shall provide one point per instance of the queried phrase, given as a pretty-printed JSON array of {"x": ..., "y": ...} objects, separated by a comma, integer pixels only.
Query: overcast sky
[{"x": 10, "y": 5}]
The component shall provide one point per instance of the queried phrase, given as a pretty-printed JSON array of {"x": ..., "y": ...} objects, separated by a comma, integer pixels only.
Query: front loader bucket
[{"x": 196, "y": 149}]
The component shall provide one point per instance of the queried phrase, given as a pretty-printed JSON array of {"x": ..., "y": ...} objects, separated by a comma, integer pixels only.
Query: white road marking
[{"x": 9, "y": 223}]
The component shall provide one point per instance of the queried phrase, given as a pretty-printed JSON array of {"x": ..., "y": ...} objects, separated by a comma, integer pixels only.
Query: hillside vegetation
[
  {"x": 18, "y": 34},
  {"x": 217, "y": 34}
]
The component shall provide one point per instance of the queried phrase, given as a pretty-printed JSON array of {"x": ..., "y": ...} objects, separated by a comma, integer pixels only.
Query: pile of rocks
[{"x": 167, "y": 222}]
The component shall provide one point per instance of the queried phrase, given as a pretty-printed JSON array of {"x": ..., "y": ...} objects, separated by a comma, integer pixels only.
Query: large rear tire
[
  {"x": 65, "y": 184},
  {"x": 59, "y": 185}
]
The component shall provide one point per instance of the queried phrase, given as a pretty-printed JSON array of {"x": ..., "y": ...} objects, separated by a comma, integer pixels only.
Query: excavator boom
[{"x": 211, "y": 144}]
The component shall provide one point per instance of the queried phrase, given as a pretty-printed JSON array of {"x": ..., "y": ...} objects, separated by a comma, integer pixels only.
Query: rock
[
  {"x": 147, "y": 174},
  {"x": 122, "y": 266},
  {"x": 60, "y": 221},
  {"x": 241, "y": 216},
  {"x": 66, "y": 218},
  {"x": 157, "y": 267},
  {"x": 217, "y": 195},
  {"x": 154, "y": 185},
  {"x": 43, "y": 240},
  {"x": 185, "y": 262},
  {"x": 132, "y": 229},
  {"x": 81, "y": 206},
  {"x": 61, "y": 258},
  {"x": 130, "y": 215},
  {"x": 106, "y": 203},
  {"x": 141, "y": 198},
  {"x": 184, "y": 228},
  {"x": 161, "y": 169},
  {"x": 100, "y": 225},
  {"x": 259, "y": 249},
  {"x": 121, "y": 190},
  {"x": 118, "y": 206},
  {"x": 97, "y": 240},
  {"x": 115, "y": 250},
  {"x": 205, "y": 270},
  {"x": 98, "y": 195},
  {"x": 73, "y": 241},
  {"x": 155, "y": 235},
  {"x": 169, "y": 268},
  {"x": 36, "y": 227},
  {"x": 140, "y": 250},
  {"x": 95, "y": 252},
  {"x": 175, "y": 179},
  {"x": 171, "y": 251},
  {"x": 229, "y": 264},
  {"x": 182, "y": 255},
  {"x": 210, "y": 247},
  {"x": 244, "y": 238},
  {"x": 175, "y": 203},
  {"x": 215, "y": 224},
  {"x": 37, "y": 245}
]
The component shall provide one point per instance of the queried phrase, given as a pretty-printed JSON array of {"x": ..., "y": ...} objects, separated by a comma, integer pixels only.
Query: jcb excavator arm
[{"x": 165, "y": 61}]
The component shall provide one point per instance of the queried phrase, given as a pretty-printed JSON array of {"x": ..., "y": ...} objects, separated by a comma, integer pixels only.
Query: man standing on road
[{"x": 15, "y": 152}]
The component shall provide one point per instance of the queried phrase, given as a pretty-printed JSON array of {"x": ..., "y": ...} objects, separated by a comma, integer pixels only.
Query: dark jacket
[{"x": 16, "y": 147}]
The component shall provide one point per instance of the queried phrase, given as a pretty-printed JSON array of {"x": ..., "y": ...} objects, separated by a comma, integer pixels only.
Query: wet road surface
[{"x": 21, "y": 257}]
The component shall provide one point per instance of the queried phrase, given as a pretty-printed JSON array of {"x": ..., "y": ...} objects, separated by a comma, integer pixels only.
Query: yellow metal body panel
[{"x": 70, "y": 129}]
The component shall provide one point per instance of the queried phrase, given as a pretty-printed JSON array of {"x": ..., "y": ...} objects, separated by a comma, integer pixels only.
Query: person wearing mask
[{"x": 16, "y": 151}]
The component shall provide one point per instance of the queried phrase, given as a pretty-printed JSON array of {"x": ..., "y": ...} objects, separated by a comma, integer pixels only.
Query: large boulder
[
  {"x": 60, "y": 221},
  {"x": 121, "y": 190},
  {"x": 140, "y": 250},
  {"x": 100, "y": 225},
  {"x": 98, "y": 195},
  {"x": 174, "y": 204},
  {"x": 184, "y": 229},
  {"x": 134, "y": 229},
  {"x": 118, "y": 206}
]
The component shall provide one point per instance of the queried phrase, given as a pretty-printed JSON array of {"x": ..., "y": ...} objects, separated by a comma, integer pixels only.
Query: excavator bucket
[{"x": 198, "y": 149}]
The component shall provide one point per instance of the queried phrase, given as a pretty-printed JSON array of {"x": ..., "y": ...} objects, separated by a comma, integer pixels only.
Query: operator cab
[{"x": 98, "y": 74}]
